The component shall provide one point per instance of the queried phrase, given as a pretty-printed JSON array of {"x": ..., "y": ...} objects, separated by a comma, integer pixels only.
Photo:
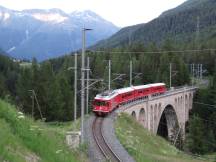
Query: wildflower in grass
[
  {"x": 58, "y": 151},
  {"x": 21, "y": 117}
]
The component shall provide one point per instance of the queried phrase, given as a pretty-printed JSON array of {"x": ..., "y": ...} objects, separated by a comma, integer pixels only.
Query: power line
[
  {"x": 141, "y": 52},
  {"x": 212, "y": 106}
]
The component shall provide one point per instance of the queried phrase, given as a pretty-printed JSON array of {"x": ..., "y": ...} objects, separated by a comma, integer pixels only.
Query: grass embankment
[
  {"x": 146, "y": 147},
  {"x": 22, "y": 139}
]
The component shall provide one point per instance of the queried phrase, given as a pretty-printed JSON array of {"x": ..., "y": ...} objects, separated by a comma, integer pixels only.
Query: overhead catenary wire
[
  {"x": 141, "y": 52},
  {"x": 212, "y": 106},
  {"x": 120, "y": 61},
  {"x": 152, "y": 52}
]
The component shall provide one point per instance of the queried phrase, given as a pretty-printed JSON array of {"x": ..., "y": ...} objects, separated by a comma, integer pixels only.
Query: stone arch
[
  {"x": 190, "y": 96},
  {"x": 186, "y": 107},
  {"x": 151, "y": 118},
  {"x": 186, "y": 101},
  {"x": 141, "y": 117},
  {"x": 190, "y": 101},
  {"x": 168, "y": 124},
  {"x": 155, "y": 115},
  {"x": 176, "y": 101},
  {"x": 159, "y": 111},
  {"x": 133, "y": 114}
]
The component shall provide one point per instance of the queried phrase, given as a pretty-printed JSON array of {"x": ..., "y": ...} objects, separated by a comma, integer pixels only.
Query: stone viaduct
[{"x": 164, "y": 113}]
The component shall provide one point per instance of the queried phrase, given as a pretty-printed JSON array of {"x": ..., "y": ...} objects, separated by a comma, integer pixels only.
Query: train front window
[{"x": 101, "y": 103}]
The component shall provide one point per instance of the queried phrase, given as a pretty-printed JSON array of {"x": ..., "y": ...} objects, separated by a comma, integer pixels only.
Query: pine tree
[
  {"x": 213, "y": 125},
  {"x": 163, "y": 75},
  {"x": 43, "y": 86},
  {"x": 177, "y": 139},
  {"x": 3, "y": 89},
  {"x": 24, "y": 86},
  {"x": 55, "y": 102},
  {"x": 35, "y": 73},
  {"x": 214, "y": 87},
  {"x": 195, "y": 139},
  {"x": 67, "y": 97},
  {"x": 210, "y": 141},
  {"x": 182, "y": 75}
]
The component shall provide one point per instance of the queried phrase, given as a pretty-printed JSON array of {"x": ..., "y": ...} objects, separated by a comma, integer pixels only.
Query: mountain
[
  {"x": 2, "y": 52},
  {"x": 49, "y": 33},
  {"x": 178, "y": 24}
]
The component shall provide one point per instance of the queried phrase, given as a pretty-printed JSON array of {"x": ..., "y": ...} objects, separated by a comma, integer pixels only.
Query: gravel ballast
[
  {"x": 93, "y": 152},
  {"x": 108, "y": 131}
]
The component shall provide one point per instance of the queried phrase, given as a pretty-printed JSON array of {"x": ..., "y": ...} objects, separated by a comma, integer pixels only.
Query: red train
[{"x": 109, "y": 100}]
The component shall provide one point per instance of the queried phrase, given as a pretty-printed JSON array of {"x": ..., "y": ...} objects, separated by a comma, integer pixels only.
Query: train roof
[
  {"x": 107, "y": 95},
  {"x": 148, "y": 86},
  {"x": 124, "y": 90},
  {"x": 157, "y": 84},
  {"x": 142, "y": 86}
]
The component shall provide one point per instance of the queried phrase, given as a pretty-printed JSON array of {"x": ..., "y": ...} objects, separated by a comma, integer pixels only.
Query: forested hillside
[
  {"x": 202, "y": 125},
  {"x": 179, "y": 24},
  {"x": 52, "y": 82},
  {"x": 8, "y": 76}
]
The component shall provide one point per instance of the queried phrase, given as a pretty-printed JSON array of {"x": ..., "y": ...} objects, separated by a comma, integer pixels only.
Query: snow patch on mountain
[
  {"x": 86, "y": 15},
  {"x": 4, "y": 16},
  {"x": 27, "y": 34},
  {"x": 20, "y": 14},
  {"x": 50, "y": 17},
  {"x": 11, "y": 49}
]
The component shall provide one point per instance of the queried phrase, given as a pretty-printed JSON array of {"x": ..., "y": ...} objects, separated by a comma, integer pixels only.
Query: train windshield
[{"x": 101, "y": 103}]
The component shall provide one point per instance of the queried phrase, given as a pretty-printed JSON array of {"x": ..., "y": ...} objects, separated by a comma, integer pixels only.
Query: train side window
[
  {"x": 146, "y": 90},
  {"x": 101, "y": 103},
  {"x": 126, "y": 95}
]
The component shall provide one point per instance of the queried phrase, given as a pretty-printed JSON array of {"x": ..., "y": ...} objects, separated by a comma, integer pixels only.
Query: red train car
[{"x": 107, "y": 101}]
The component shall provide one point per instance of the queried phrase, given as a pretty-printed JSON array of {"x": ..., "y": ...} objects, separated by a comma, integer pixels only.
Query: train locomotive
[{"x": 107, "y": 101}]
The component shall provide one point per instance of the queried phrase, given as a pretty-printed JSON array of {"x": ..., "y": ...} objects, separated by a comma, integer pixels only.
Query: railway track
[{"x": 101, "y": 142}]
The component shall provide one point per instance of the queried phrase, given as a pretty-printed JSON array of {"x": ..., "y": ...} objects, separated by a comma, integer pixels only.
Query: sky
[{"x": 120, "y": 12}]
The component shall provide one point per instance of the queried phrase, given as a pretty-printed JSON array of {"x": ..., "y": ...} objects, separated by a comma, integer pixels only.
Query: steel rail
[{"x": 105, "y": 149}]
